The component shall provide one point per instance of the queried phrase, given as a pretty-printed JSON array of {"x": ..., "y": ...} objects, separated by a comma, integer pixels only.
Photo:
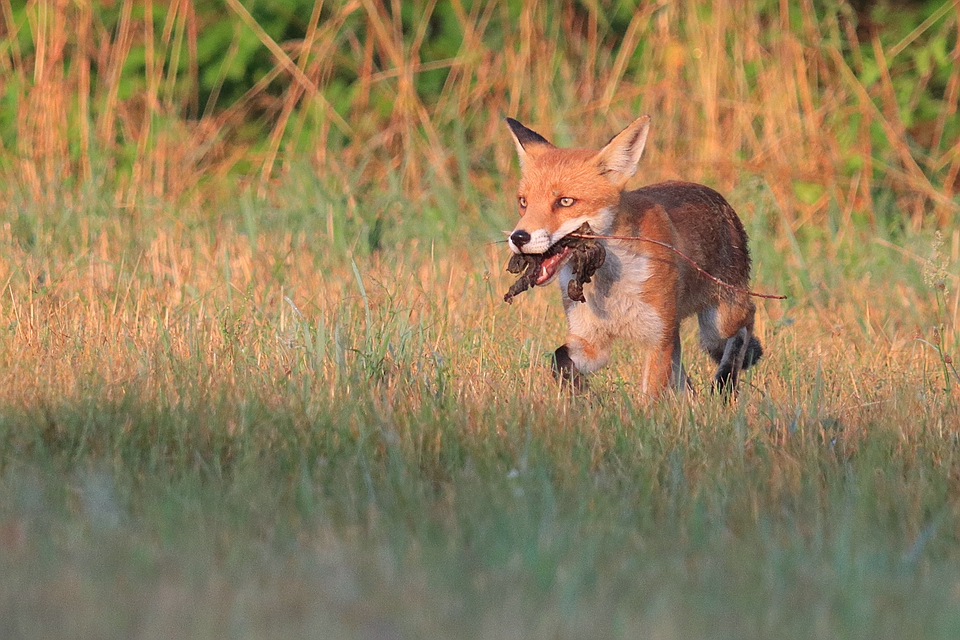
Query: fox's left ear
[
  {"x": 619, "y": 158},
  {"x": 528, "y": 141}
]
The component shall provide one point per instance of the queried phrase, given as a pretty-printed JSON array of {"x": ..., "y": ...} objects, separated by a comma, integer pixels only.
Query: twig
[{"x": 685, "y": 257}]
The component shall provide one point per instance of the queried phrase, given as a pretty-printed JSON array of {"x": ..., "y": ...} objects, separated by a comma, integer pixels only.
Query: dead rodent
[{"x": 584, "y": 255}]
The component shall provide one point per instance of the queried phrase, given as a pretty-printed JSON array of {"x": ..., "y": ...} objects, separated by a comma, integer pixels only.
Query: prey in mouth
[{"x": 585, "y": 255}]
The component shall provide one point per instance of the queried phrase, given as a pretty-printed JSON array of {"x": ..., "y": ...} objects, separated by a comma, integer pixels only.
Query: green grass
[
  {"x": 229, "y": 428},
  {"x": 683, "y": 522}
]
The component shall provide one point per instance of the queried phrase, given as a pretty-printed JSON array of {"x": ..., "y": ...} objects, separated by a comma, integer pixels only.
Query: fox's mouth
[
  {"x": 586, "y": 254},
  {"x": 554, "y": 259}
]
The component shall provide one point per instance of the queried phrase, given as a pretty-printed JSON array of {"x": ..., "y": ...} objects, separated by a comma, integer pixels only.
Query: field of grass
[
  {"x": 212, "y": 431},
  {"x": 276, "y": 393}
]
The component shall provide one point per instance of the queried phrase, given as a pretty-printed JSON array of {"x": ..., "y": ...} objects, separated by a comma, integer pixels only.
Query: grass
[
  {"x": 223, "y": 428},
  {"x": 257, "y": 378}
]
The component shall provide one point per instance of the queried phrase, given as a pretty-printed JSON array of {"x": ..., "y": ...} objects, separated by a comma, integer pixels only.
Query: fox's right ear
[{"x": 528, "y": 141}]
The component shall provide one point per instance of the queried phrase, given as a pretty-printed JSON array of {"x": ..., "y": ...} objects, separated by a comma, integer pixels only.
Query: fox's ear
[
  {"x": 529, "y": 142},
  {"x": 619, "y": 158}
]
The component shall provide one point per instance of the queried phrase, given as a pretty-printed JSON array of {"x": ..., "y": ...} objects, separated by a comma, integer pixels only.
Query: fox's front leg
[
  {"x": 577, "y": 357},
  {"x": 663, "y": 369}
]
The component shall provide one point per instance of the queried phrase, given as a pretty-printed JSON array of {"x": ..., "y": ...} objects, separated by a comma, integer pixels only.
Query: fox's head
[{"x": 560, "y": 189}]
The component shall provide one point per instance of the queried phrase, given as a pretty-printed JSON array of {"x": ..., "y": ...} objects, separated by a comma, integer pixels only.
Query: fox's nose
[{"x": 519, "y": 238}]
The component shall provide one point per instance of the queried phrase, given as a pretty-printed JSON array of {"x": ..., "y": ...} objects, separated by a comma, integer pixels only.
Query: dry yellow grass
[{"x": 166, "y": 308}]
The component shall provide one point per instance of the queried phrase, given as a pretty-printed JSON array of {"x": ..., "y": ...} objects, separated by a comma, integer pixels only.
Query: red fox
[{"x": 642, "y": 291}]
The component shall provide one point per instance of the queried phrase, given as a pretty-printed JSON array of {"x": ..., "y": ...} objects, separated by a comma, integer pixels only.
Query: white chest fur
[{"x": 616, "y": 303}]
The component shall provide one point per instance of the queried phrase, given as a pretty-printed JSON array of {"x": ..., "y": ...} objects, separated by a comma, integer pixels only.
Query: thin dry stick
[{"x": 685, "y": 257}]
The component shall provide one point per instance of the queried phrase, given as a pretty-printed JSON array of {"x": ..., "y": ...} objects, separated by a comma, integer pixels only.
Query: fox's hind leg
[
  {"x": 732, "y": 361},
  {"x": 576, "y": 357},
  {"x": 710, "y": 338},
  {"x": 726, "y": 333}
]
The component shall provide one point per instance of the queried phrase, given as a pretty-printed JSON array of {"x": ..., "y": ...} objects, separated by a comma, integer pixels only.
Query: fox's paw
[{"x": 566, "y": 371}]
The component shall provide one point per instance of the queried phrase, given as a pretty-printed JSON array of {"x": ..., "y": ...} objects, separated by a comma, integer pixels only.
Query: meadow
[{"x": 257, "y": 378}]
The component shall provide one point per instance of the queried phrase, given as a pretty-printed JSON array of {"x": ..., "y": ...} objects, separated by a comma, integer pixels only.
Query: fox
[{"x": 643, "y": 290}]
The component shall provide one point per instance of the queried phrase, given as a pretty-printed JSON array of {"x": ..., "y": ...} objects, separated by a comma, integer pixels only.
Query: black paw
[{"x": 566, "y": 371}]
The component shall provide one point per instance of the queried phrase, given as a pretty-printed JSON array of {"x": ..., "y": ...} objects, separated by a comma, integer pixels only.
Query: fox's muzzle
[{"x": 523, "y": 241}]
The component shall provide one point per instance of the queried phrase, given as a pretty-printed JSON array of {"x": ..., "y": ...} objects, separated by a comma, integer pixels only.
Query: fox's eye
[
  {"x": 523, "y": 202},
  {"x": 566, "y": 202}
]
